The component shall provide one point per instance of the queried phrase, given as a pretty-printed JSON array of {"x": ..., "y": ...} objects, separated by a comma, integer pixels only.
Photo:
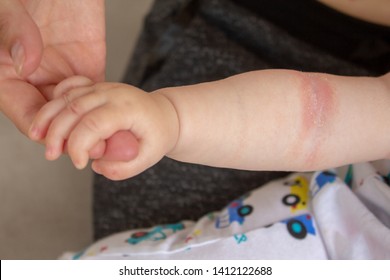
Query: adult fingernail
[{"x": 18, "y": 57}]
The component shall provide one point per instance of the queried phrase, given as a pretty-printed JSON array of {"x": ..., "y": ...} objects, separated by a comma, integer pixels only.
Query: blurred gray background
[{"x": 46, "y": 207}]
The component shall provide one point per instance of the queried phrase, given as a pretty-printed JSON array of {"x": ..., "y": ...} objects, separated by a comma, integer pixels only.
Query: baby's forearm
[{"x": 282, "y": 120}]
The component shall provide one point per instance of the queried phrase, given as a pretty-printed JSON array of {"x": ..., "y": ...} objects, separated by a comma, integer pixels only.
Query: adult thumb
[{"x": 20, "y": 35}]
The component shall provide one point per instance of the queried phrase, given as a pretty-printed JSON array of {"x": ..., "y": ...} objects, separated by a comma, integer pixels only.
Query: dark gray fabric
[{"x": 186, "y": 42}]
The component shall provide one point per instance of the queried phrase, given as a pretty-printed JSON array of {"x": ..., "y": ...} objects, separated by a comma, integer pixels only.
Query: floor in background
[{"x": 45, "y": 207}]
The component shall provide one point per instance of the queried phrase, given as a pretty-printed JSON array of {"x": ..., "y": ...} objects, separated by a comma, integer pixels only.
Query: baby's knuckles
[{"x": 73, "y": 106}]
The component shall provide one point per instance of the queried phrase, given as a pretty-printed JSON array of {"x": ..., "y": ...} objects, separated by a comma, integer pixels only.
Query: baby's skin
[
  {"x": 260, "y": 120},
  {"x": 122, "y": 146}
]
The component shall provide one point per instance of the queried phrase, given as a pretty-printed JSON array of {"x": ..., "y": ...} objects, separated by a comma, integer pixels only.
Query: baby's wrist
[{"x": 171, "y": 119}]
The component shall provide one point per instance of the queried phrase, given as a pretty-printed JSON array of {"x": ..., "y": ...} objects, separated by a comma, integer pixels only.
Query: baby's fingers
[
  {"x": 119, "y": 170},
  {"x": 147, "y": 156},
  {"x": 62, "y": 96},
  {"x": 122, "y": 146},
  {"x": 69, "y": 84},
  {"x": 99, "y": 124},
  {"x": 62, "y": 125},
  {"x": 50, "y": 110}
]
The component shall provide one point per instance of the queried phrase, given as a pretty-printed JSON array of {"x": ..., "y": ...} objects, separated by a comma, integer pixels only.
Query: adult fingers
[
  {"x": 20, "y": 36},
  {"x": 20, "y": 102}
]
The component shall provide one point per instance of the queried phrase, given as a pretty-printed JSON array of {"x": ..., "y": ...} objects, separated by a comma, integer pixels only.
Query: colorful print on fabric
[
  {"x": 155, "y": 234},
  {"x": 321, "y": 179},
  {"x": 235, "y": 212},
  {"x": 78, "y": 255},
  {"x": 326, "y": 177},
  {"x": 193, "y": 235},
  {"x": 240, "y": 238},
  {"x": 349, "y": 176},
  {"x": 299, "y": 194},
  {"x": 300, "y": 226}
]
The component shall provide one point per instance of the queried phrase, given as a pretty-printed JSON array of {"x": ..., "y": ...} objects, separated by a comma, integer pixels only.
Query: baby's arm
[
  {"x": 263, "y": 120},
  {"x": 283, "y": 120}
]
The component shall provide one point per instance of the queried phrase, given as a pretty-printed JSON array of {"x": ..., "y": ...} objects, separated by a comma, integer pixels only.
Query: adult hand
[{"x": 42, "y": 42}]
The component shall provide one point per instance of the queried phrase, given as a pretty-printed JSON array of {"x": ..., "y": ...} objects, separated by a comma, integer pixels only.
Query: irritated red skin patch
[{"x": 318, "y": 106}]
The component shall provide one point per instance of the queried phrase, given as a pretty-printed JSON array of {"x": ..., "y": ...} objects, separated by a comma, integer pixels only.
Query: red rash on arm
[
  {"x": 282, "y": 120},
  {"x": 318, "y": 107}
]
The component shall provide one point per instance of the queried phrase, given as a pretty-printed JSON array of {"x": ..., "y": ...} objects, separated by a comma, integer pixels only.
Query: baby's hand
[
  {"x": 122, "y": 146},
  {"x": 85, "y": 115}
]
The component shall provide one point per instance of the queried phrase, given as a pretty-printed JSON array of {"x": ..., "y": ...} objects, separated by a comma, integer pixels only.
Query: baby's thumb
[
  {"x": 122, "y": 146},
  {"x": 20, "y": 36}
]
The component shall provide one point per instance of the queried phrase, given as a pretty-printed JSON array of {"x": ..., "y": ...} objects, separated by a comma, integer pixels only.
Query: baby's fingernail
[
  {"x": 50, "y": 153},
  {"x": 18, "y": 57},
  {"x": 35, "y": 133},
  {"x": 80, "y": 164}
]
